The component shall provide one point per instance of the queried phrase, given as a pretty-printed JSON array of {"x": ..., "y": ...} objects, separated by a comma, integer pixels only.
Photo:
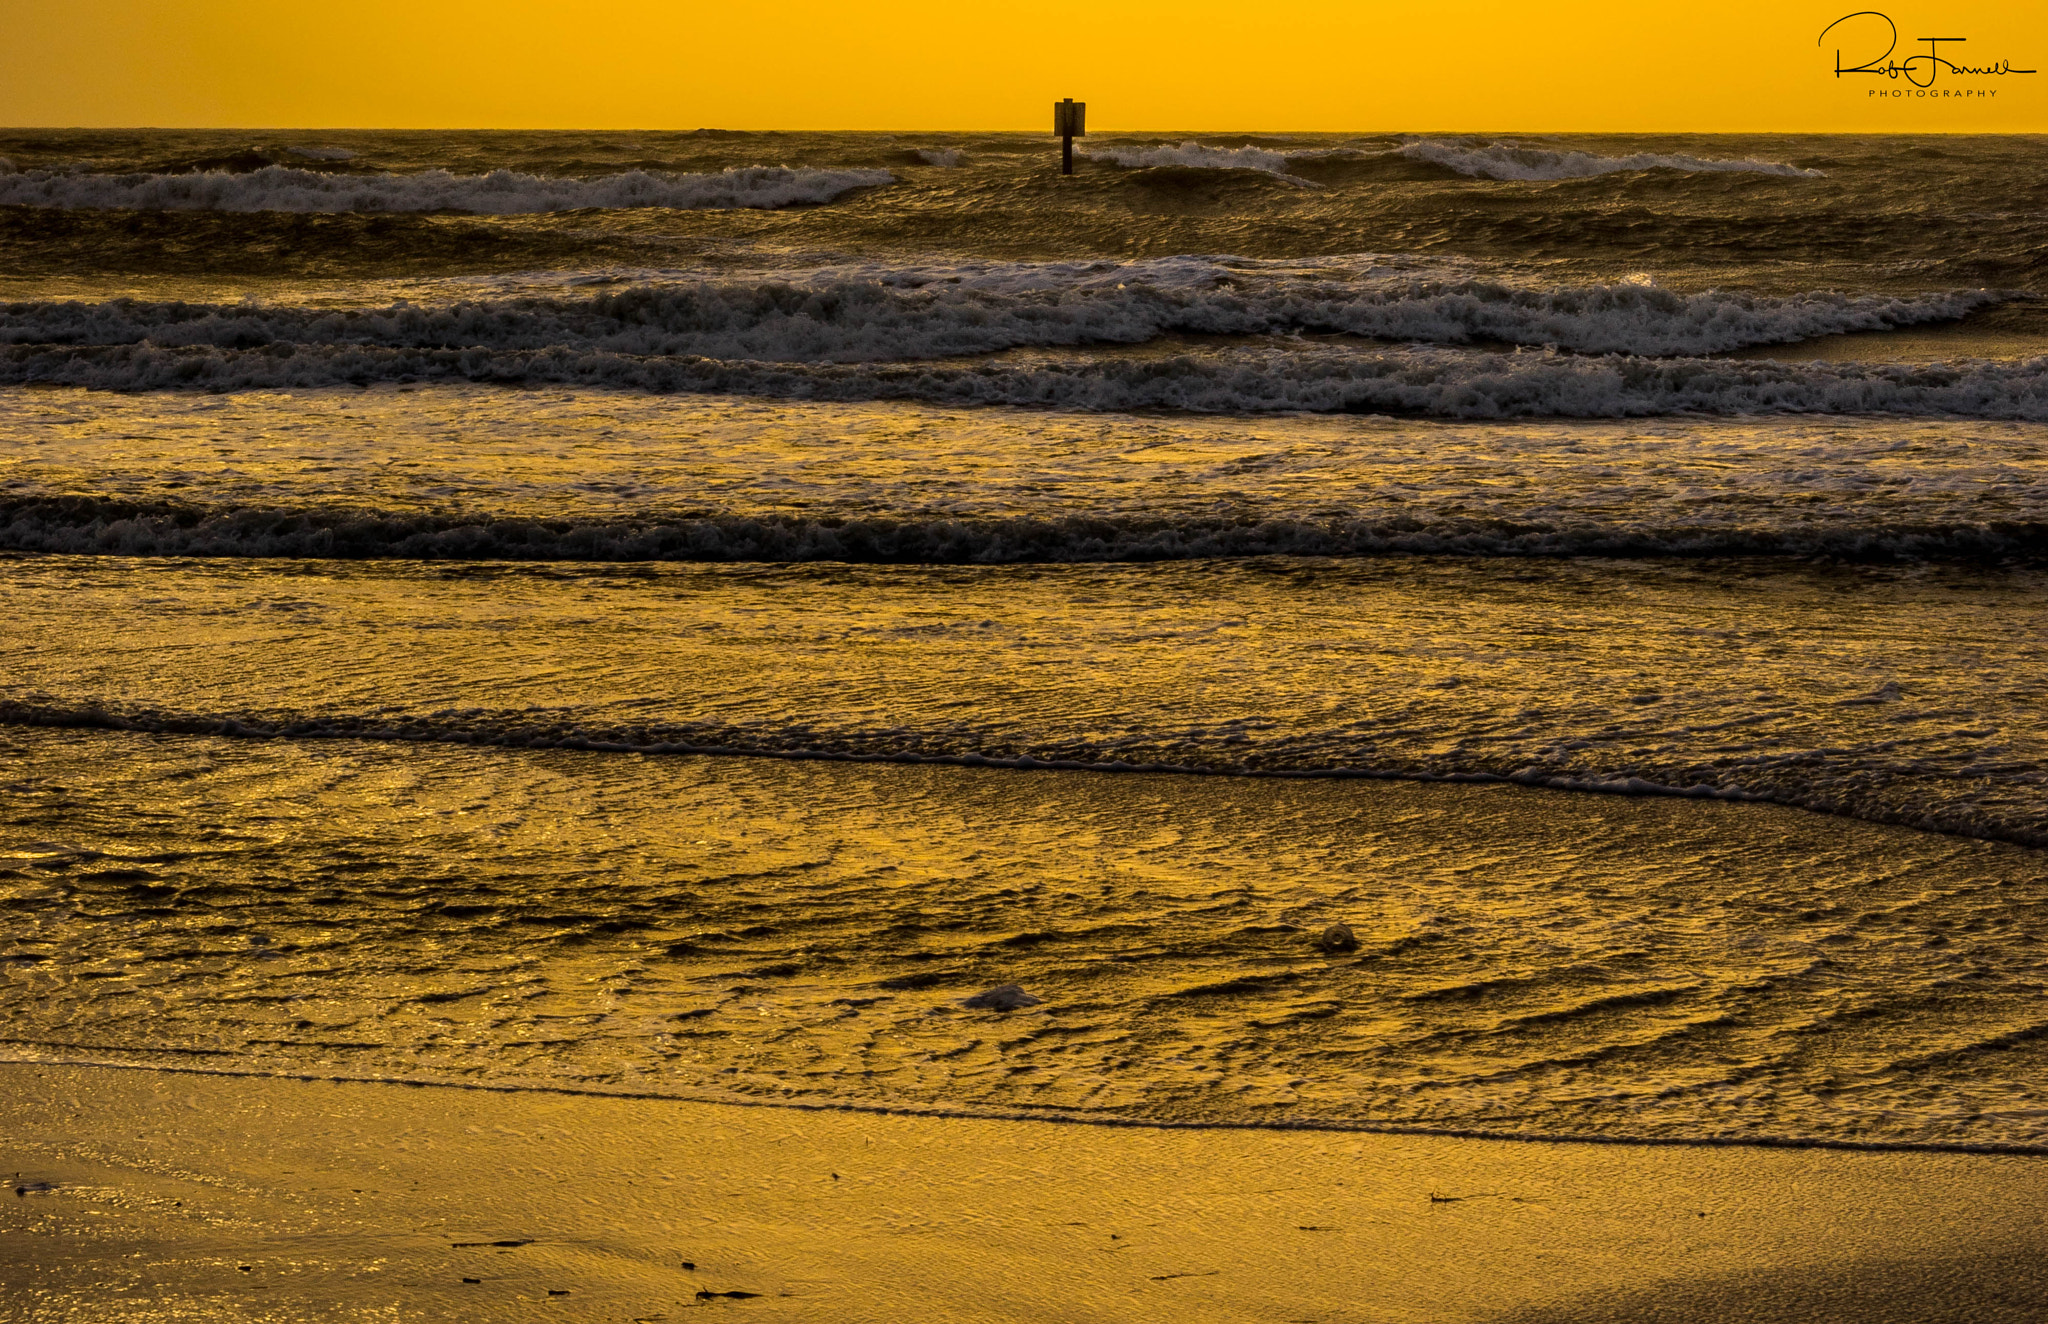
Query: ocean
[{"x": 676, "y": 614}]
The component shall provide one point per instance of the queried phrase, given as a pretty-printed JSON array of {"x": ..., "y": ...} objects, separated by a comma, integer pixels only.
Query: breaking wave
[
  {"x": 501, "y": 192},
  {"x": 1415, "y": 381},
  {"x": 1504, "y": 160},
  {"x": 1508, "y": 160},
  {"x": 1194, "y": 155},
  {"x": 912, "y": 313}
]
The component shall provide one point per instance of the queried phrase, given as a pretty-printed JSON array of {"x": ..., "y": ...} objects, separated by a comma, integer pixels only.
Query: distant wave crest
[
  {"x": 909, "y": 313},
  {"x": 1197, "y": 156},
  {"x": 501, "y": 192},
  {"x": 1508, "y": 160},
  {"x": 1502, "y": 160}
]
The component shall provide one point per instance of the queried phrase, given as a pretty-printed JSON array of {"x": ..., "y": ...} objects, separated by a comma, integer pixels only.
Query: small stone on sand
[
  {"x": 1338, "y": 938},
  {"x": 1004, "y": 997}
]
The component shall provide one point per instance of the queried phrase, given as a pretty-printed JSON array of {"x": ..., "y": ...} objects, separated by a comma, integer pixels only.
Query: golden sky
[{"x": 1362, "y": 65}]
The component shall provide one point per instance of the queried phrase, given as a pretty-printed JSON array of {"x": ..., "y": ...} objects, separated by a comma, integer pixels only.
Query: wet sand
[{"x": 178, "y": 1196}]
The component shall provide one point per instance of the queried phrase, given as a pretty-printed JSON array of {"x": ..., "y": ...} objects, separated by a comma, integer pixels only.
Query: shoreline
[
  {"x": 1050, "y": 1116},
  {"x": 194, "y": 1195}
]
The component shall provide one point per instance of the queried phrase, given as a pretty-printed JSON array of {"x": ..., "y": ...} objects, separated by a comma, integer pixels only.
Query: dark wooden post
[{"x": 1069, "y": 121}]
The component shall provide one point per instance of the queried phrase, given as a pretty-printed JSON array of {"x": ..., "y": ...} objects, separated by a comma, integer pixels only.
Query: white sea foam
[
  {"x": 1507, "y": 160},
  {"x": 502, "y": 192},
  {"x": 1503, "y": 160},
  {"x": 1197, "y": 156},
  {"x": 874, "y": 313},
  {"x": 949, "y": 157}
]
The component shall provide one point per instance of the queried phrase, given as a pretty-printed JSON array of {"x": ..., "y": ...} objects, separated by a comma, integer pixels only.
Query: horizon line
[{"x": 718, "y": 129}]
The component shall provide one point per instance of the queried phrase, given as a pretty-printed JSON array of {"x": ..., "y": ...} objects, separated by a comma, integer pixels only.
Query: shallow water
[
  {"x": 1529, "y": 962},
  {"x": 1893, "y": 695},
  {"x": 484, "y": 473}
]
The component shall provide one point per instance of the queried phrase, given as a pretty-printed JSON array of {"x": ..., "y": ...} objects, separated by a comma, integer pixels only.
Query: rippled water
[
  {"x": 678, "y": 614},
  {"x": 482, "y": 473},
  {"x": 1529, "y": 962},
  {"x": 1895, "y": 696}
]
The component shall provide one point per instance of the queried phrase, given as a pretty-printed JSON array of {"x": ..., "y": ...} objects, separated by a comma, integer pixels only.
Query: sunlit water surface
[
  {"x": 679, "y": 613},
  {"x": 1529, "y": 962}
]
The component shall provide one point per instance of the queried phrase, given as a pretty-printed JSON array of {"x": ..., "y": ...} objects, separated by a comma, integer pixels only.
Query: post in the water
[{"x": 1069, "y": 119}]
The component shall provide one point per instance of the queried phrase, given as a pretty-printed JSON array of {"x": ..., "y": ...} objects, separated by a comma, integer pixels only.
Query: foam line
[
  {"x": 85, "y": 525},
  {"x": 552, "y": 731},
  {"x": 1395, "y": 381},
  {"x": 1509, "y": 160}
]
